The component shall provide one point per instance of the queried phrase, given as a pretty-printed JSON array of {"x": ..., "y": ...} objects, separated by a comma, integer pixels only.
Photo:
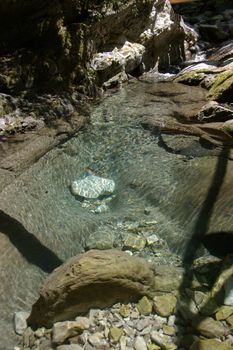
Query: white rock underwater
[{"x": 92, "y": 187}]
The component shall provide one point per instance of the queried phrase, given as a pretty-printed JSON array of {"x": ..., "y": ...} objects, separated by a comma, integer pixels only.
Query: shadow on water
[
  {"x": 28, "y": 245},
  {"x": 212, "y": 241}
]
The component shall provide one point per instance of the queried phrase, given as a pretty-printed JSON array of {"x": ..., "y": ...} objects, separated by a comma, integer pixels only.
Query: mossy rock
[
  {"x": 193, "y": 78},
  {"x": 222, "y": 87}
]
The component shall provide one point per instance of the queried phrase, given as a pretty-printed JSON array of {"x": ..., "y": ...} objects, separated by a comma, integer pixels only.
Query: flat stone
[
  {"x": 140, "y": 343},
  {"x": 82, "y": 322},
  {"x": 168, "y": 330},
  {"x": 144, "y": 306},
  {"x": 20, "y": 321},
  {"x": 125, "y": 310},
  {"x": 209, "y": 327},
  {"x": 168, "y": 278},
  {"x": 92, "y": 187},
  {"x": 63, "y": 330},
  {"x": 69, "y": 347},
  {"x": 224, "y": 312},
  {"x": 115, "y": 334},
  {"x": 230, "y": 320},
  {"x": 74, "y": 287},
  {"x": 134, "y": 242},
  {"x": 210, "y": 344},
  {"x": 164, "y": 305}
]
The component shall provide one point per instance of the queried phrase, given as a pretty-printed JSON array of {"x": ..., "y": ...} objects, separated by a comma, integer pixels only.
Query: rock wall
[{"x": 48, "y": 46}]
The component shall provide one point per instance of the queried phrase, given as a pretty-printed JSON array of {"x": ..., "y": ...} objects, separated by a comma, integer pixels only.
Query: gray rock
[
  {"x": 229, "y": 292},
  {"x": 140, "y": 343},
  {"x": 209, "y": 327},
  {"x": 63, "y": 330},
  {"x": 20, "y": 321},
  {"x": 93, "y": 187},
  {"x": 69, "y": 347}
]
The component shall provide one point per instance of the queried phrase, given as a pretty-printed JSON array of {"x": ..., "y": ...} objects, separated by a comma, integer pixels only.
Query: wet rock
[
  {"x": 108, "y": 64},
  {"x": 140, "y": 343},
  {"x": 122, "y": 277},
  {"x": 69, "y": 347},
  {"x": 93, "y": 187},
  {"x": 115, "y": 334},
  {"x": 134, "y": 242},
  {"x": 224, "y": 312},
  {"x": 213, "y": 33},
  {"x": 209, "y": 327},
  {"x": 210, "y": 344},
  {"x": 164, "y": 305},
  {"x": 63, "y": 330},
  {"x": 227, "y": 127},
  {"x": 230, "y": 321},
  {"x": 168, "y": 278},
  {"x": 97, "y": 340},
  {"x": 229, "y": 292},
  {"x": 144, "y": 306},
  {"x": 102, "y": 239},
  {"x": 163, "y": 341},
  {"x": 213, "y": 111},
  {"x": 125, "y": 310},
  {"x": 222, "y": 87},
  {"x": 20, "y": 321}
]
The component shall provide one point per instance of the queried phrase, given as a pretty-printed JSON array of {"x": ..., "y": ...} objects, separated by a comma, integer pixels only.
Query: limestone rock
[
  {"x": 95, "y": 279},
  {"x": 20, "y": 321},
  {"x": 63, "y": 330},
  {"x": 229, "y": 292},
  {"x": 115, "y": 334},
  {"x": 144, "y": 306},
  {"x": 140, "y": 344},
  {"x": 92, "y": 187},
  {"x": 224, "y": 312},
  {"x": 209, "y": 327},
  {"x": 165, "y": 304},
  {"x": 69, "y": 347}
]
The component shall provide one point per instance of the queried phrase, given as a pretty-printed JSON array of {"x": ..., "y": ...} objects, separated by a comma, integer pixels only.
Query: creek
[{"x": 167, "y": 178}]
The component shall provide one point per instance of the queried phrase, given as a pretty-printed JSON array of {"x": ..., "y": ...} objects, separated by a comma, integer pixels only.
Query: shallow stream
[{"x": 165, "y": 178}]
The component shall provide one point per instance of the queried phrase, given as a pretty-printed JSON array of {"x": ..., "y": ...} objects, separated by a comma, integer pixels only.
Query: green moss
[
  {"x": 190, "y": 78},
  {"x": 222, "y": 87}
]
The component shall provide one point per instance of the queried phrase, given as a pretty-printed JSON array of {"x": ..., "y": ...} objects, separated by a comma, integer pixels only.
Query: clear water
[{"x": 171, "y": 181}]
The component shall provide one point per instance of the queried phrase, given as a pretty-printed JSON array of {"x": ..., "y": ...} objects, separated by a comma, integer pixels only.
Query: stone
[
  {"x": 134, "y": 242},
  {"x": 209, "y": 327},
  {"x": 144, "y": 306},
  {"x": 168, "y": 330},
  {"x": 229, "y": 292},
  {"x": 152, "y": 346},
  {"x": 74, "y": 288},
  {"x": 213, "y": 111},
  {"x": 20, "y": 321},
  {"x": 115, "y": 334},
  {"x": 69, "y": 347},
  {"x": 227, "y": 127},
  {"x": 162, "y": 340},
  {"x": 168, "y": 278},
  {"x": 92, "y": 187},
  {"x": 101, "y": 239},
  {"x": 224, "y": 312},
  {"x": 125, "y": 310},
  {"x": 97, "y": 340},
  {"x": 221, "y": 88},
  {"x": 210, "y": 344},
  {"x": 230, "y": 321},
  {"x": 140, "y": 343},
  {"x": 63, "y": 330},
  {"x": 164, "y": 305}
]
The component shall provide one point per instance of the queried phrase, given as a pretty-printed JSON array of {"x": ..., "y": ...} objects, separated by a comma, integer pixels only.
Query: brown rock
[
  {"x": 210, "y": 344},
  {"x": 209, "y": 327},
  {"x": 96, "y": 279}
]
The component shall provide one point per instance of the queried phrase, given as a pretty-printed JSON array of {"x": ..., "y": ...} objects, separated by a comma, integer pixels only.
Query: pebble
[
  {"x": 20, "y": 321},
  {"x": 140, "y": 343}
]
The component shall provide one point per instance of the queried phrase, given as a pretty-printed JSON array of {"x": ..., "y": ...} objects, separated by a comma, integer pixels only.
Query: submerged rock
[
  {"x": 95, "y": 279},
  {"x": 93, "y": 187}
]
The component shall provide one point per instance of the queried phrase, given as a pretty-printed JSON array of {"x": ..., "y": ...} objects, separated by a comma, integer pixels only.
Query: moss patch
[
  {"x": 222, "y": 87},
  {"x": 190, "y": 78}
]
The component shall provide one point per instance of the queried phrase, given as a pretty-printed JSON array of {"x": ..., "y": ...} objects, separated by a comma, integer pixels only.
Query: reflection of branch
[{"x": 28, "y": 245}]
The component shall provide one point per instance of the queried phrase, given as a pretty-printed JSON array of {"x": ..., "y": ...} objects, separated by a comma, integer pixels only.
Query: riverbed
[{"x": 182, "y": 184}]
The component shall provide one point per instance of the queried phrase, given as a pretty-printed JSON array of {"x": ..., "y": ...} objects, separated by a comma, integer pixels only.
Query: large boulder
[{"x": 96, "y": 279}]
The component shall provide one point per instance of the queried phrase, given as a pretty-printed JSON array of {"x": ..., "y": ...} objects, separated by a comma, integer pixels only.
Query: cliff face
[{"x": 47, "y": 46}]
